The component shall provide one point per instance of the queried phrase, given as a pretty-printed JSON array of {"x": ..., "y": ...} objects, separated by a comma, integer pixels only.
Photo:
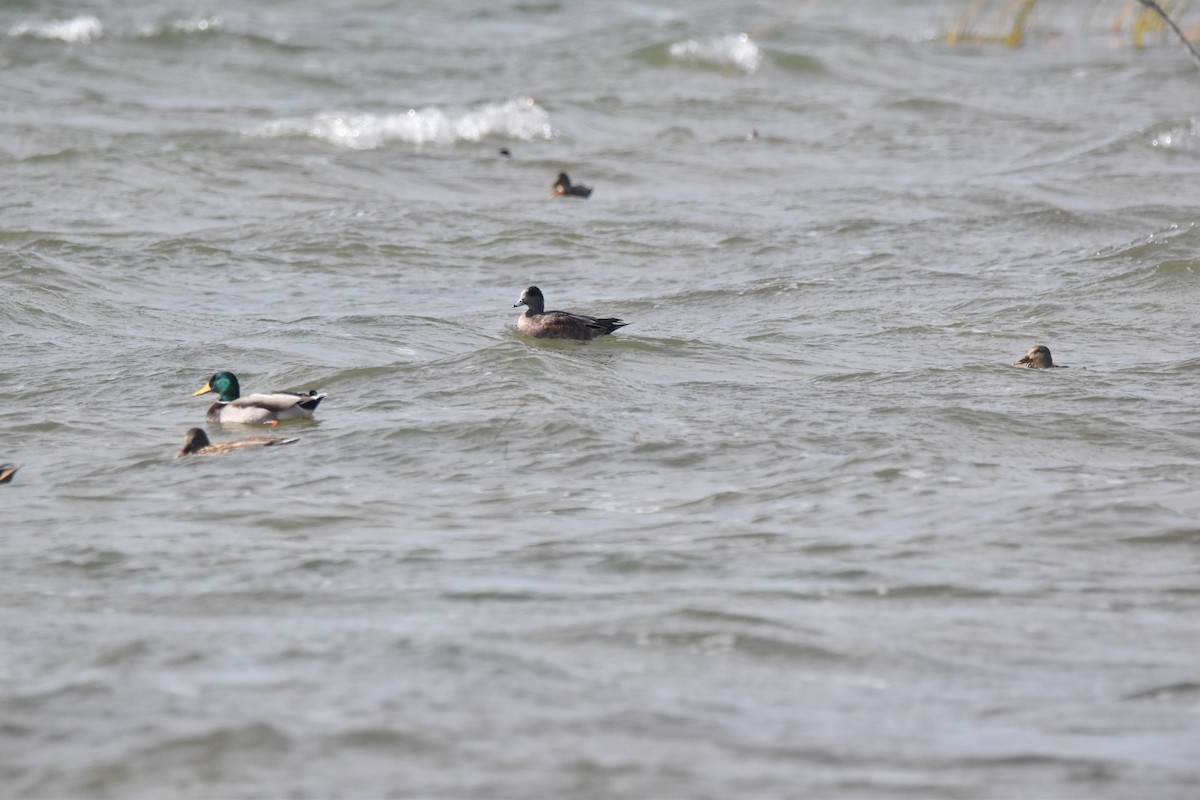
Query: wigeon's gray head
[
  {"x": 532, "y": 297},
  {"x": 1038, "y": 357}
]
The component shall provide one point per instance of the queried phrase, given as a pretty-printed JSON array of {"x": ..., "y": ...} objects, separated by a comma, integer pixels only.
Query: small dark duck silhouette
[{"x": 564, "y": 188}]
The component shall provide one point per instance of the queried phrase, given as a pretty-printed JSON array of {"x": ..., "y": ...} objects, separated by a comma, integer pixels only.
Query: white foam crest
[
  {"x": 80, "y": 29},
  {"x": 737, "y": 50},
  {"x": 185, "y": 26},
  {"x": 202, "y": 25},
  {"x": 515, "y": 119}
]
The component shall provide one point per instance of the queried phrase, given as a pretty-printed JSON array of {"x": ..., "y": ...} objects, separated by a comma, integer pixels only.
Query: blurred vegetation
[{"x": 1007, "y": 23}]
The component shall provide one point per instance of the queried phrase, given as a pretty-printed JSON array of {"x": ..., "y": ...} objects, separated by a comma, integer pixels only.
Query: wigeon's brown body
[
  {"x": 542, "y": 324},
  {"x": 7, "y": 471}
]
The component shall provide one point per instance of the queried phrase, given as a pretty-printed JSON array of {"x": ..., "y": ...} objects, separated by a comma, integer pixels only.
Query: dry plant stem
[
  {"x": 1019, "y": 10},
  {"x": 1157, "y": 9},
  {"x": 1017, "y": 34}
]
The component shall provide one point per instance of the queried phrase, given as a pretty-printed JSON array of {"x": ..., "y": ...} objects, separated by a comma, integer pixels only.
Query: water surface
[{"x": 800, "y": 530}]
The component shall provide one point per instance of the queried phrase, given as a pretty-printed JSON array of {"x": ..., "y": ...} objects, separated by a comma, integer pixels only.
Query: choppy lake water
[{"x": 800, "y": 530}]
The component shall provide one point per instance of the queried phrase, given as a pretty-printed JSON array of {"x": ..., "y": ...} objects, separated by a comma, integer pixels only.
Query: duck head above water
[
  {"x": 1038, "y": 357},
  {"x": 224, "y": 384},
  {"x": 533, "y": 299},
  {"x": 194, "y": 441}
]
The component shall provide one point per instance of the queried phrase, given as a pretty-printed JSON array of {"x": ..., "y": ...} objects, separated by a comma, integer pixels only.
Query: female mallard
[
  {"x": 196, "y": 443},
  {"x": 562, "y": 187},
  {"x": 7, "y": 471},
  {"x": 268, "y": 408},
  {"x": 1038, "y": 357},
  {"x": 542, "y": 324}
]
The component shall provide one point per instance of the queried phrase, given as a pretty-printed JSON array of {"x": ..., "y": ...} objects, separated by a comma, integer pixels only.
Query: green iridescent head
[{"x": 224, "y": 384}]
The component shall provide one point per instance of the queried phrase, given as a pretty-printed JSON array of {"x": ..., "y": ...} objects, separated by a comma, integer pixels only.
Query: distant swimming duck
[
  {"x": 1038, "y": 357},
  {"x": 196, "y": 443},
  {"x": 271, "y": 408},
  {"x": 542, "y": 324},
  {"x": 562, "y": 187},
  {"x": 7, "y": 471}
]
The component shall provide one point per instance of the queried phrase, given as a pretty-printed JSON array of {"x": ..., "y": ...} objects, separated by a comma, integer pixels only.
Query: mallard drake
[
  {"x": 562, "y": 187},
  {"x": 197, "y": 443},
  {"x": 542, "y": 324},
  {"x": 7, "y": 471},
  {"x": 1038, "y": 357},
  {"x": 270, "y": 408}
]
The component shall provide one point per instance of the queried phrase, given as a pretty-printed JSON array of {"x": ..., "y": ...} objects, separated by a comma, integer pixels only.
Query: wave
[
  {"x": 1179, "y": 136},
  {"x": 1168, "y": 252},
  {"x": 183, "y": 27},
  {"x": 520, "y": 118},
  {"x": 736, "y": 50},
  {"x": 81, "y": 29}
]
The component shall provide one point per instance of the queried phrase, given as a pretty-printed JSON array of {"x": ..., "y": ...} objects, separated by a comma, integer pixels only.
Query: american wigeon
[
  {"x": 196, "y": 443},
  {"x": 268, "y": 408},
  {"x": 1038, "y": 357},
  {"x": 7, "y": 471},
  {"x": 562, "y": 187},
  {"x": 542, "y": 324}
]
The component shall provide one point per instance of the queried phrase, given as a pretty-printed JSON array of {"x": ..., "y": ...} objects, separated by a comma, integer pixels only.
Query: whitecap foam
[
  {"x": 80, "y": 29},
  {"x": 737, "y": 50},
  {"x": 185, "y": 26},
  {"x": 514, "y": 119}
]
